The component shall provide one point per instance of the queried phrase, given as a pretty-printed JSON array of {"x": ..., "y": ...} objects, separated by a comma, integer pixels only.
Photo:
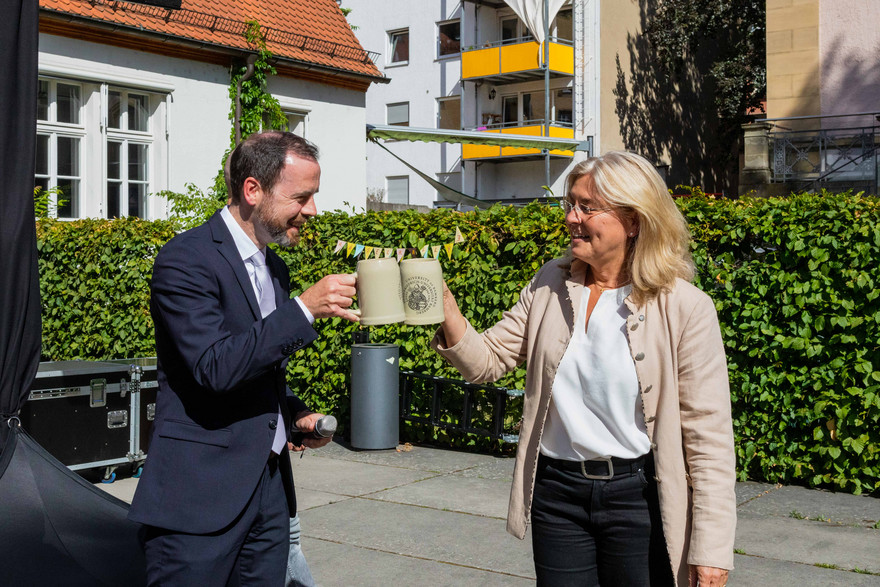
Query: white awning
[
  {"x": 531, "y": 12},
  {"x": 472, "y": 137}
]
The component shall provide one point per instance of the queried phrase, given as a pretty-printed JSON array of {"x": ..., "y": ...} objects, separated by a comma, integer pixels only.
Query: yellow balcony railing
[
  {"x": 530, "y": 129},
  {"x": 514, "y": 59}
]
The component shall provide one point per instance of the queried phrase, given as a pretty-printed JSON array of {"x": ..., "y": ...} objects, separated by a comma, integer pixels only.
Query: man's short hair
[{"x": 263, "y": 156}]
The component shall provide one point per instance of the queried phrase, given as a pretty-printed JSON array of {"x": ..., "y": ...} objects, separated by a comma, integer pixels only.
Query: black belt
[{"x": 602, "y": 468}]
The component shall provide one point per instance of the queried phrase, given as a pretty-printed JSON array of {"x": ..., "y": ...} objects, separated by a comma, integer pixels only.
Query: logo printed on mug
[
  {"x": 422, "y": 281},
  {"x": 420, "y": 294}
]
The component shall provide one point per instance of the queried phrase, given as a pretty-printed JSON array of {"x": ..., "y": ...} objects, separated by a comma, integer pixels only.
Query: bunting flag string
[{"x": 377, "y": 252}]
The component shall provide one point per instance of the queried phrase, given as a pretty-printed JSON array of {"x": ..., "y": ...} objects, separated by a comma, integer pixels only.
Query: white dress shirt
[
  {"x": 595, "y": 408},
  {"x": 252, "y": 257}
]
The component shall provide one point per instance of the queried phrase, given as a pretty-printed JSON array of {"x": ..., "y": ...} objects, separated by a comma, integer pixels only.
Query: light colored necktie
[
  {"x": 265, "y": 289},
  {"x": 266, "y": 297}
]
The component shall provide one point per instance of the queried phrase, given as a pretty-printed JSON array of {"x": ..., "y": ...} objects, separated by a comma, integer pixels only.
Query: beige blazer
[{"x": 679, "y": 357}]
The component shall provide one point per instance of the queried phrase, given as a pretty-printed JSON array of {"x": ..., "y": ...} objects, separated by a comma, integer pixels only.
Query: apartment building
[{"x": 475, "y": 65}]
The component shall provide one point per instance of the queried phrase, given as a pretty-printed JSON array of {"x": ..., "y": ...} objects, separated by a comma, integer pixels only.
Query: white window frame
[
  {"x": 520, "y": 104},
  {"x": 388, "y": 111},
  {"x": 126, "y": 138},
  {"x": 390, "y": 40},
  {"x": 449, "y": 99},
  {"x": 523, "y": 34},
  {"x": 388, "y": 181},
  {"x": 93, "y": 138},
  {"x": 53, "y": 129}
]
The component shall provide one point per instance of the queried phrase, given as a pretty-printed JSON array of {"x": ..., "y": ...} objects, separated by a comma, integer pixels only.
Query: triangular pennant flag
[
  {"x": 368, "y": 251},
  {"x": 448, "y": 247},
  {"x": 414, "y": 252},
  {"x": 348, "y": 249},
  {"x": 459, "y": 238},
  {"x": 424, "y": 251},
  {"x": 357, "y": 250},
  {"x": 388, "y": 252},
  {"x": 339, "y": 245},
  {"x": 435, "y": 250},
  {"x": 400, "y": 254}
]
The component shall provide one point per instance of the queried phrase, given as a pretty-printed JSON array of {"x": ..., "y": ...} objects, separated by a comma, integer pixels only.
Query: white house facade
[{"x": 118, "y": 124}]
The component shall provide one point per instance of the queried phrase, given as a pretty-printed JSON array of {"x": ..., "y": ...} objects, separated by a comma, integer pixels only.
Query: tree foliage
[{"x": 731, "y": 32}]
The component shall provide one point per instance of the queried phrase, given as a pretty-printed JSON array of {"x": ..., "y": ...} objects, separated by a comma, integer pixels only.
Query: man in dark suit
[{"x": 216, "y": 494}]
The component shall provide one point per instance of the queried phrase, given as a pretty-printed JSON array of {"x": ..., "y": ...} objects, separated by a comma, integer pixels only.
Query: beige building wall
[
  {"x": 849, "y": 54},
  {"x": 618, "y": 21},
  {"x": 793, "y": 58}
]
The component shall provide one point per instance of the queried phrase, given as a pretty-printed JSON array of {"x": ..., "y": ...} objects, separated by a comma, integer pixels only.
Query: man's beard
[{"x": 276, "y": 229}]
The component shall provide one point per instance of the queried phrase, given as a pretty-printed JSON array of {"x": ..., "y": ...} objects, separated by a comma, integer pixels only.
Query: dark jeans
[{"x": 592, "y": 532}]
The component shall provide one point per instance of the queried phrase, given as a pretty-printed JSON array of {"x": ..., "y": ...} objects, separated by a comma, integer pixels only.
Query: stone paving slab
[
  {"x": 405, "y": 456},
  {"x": 808, "y": 542},
  {"x": 350, "y": 477},
  {"x": 121, "y": 488},
  {"x": 497, "y": 468},
  {"x": 813, "y": 504},
  {"x": 460, "y": 539},
  {"x": 471, "y": 495},
  {"x": 307, "y": 499},
  {"x": 746, "y": 491},
  {"x": 754, "y": 570},
  {"x": 343, "y": 565}
]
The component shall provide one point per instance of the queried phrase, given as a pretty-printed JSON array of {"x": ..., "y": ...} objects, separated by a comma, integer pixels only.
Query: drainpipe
[
  {"x": 547, "y": 94},
  {"x": 248, "y": 74}
]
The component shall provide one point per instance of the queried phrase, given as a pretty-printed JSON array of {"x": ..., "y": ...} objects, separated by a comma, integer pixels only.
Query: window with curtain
[{"x": 448, "y": 38}]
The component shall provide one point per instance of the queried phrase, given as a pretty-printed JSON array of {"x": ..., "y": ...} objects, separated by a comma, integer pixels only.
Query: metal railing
[
  {"x": 830, "y": 155},
  {"x": 456, "y": 405},
  {"x": 515, "y": 41}
]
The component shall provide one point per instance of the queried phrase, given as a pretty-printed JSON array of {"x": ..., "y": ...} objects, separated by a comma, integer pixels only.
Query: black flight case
[{"x": 90, "y": 414}]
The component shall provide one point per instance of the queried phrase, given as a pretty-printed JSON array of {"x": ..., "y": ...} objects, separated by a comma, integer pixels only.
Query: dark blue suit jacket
[{"x": 221, "y": 370}]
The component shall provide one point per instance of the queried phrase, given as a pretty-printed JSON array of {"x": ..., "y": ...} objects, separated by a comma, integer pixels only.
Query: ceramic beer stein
[
  {"x": 379, "y": 294},
  {"x": 422, "y": 291}
]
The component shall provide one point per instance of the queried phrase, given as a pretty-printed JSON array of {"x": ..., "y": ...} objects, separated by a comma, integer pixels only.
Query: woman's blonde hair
[{"x": 659, "y": 253}]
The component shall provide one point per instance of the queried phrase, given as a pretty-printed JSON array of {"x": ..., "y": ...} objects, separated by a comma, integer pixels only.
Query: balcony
[
  {"x": 516, "y": 60},
  {"x": 533, "y": 128}
]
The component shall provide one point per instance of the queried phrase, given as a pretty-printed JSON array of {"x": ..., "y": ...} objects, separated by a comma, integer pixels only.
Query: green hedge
[{"x": 794, "y": 281}]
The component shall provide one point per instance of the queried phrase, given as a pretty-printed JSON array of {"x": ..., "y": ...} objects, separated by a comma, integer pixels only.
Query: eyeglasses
[{"x": 582, "y": 210}]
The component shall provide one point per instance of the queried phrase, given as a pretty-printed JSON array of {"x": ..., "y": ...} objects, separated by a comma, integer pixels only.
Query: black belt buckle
[{"x": 609, "y": 475}]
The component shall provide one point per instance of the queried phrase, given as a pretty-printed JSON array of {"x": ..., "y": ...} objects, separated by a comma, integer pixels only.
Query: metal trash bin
[{"x": 375, "y": 402}]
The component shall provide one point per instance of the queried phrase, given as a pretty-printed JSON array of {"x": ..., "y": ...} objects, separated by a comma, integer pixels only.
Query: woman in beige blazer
[{"x": 625, "y": 466}]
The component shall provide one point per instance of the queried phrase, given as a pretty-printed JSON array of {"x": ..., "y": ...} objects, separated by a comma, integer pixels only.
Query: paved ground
[{"x": 426, "y": 517}]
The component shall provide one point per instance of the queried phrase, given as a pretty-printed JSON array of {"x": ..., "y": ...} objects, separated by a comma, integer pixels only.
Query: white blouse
[{"x": 595, "y": 408}]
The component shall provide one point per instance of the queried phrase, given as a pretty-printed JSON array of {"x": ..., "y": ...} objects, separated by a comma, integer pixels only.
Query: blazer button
[
  {"x": 273, "y": 424},
  {"x": 647, "y": 389},
  {"x": 641, "y": 318},
  {"x": 639, "y": 356},
  {"x": 286, "y": 349},
  {"x": 649, "y": 419},
  {"x": 299, "y": 342},
  {"x": 634, "y": 326}
]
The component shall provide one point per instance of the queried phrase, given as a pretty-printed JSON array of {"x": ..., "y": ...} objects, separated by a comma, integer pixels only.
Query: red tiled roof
[{"x": 310, "y": 31}]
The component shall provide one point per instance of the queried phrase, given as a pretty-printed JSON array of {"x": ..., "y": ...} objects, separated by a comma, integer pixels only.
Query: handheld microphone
[{"x": 324, "y": 428}]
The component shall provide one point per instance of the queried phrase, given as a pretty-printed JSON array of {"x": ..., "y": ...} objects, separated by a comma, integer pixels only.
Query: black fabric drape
[
  {"x": 20, "y": 328},
  {"x": 57, "y": 529}
]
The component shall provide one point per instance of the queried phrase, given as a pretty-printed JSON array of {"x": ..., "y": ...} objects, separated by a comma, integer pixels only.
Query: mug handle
[{"x": 355, "y": 311}]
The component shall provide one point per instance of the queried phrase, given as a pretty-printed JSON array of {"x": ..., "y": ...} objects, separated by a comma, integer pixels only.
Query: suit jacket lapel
[
  {"x": 273, "y": 261},
  {"x": 226, "y": 247}
]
